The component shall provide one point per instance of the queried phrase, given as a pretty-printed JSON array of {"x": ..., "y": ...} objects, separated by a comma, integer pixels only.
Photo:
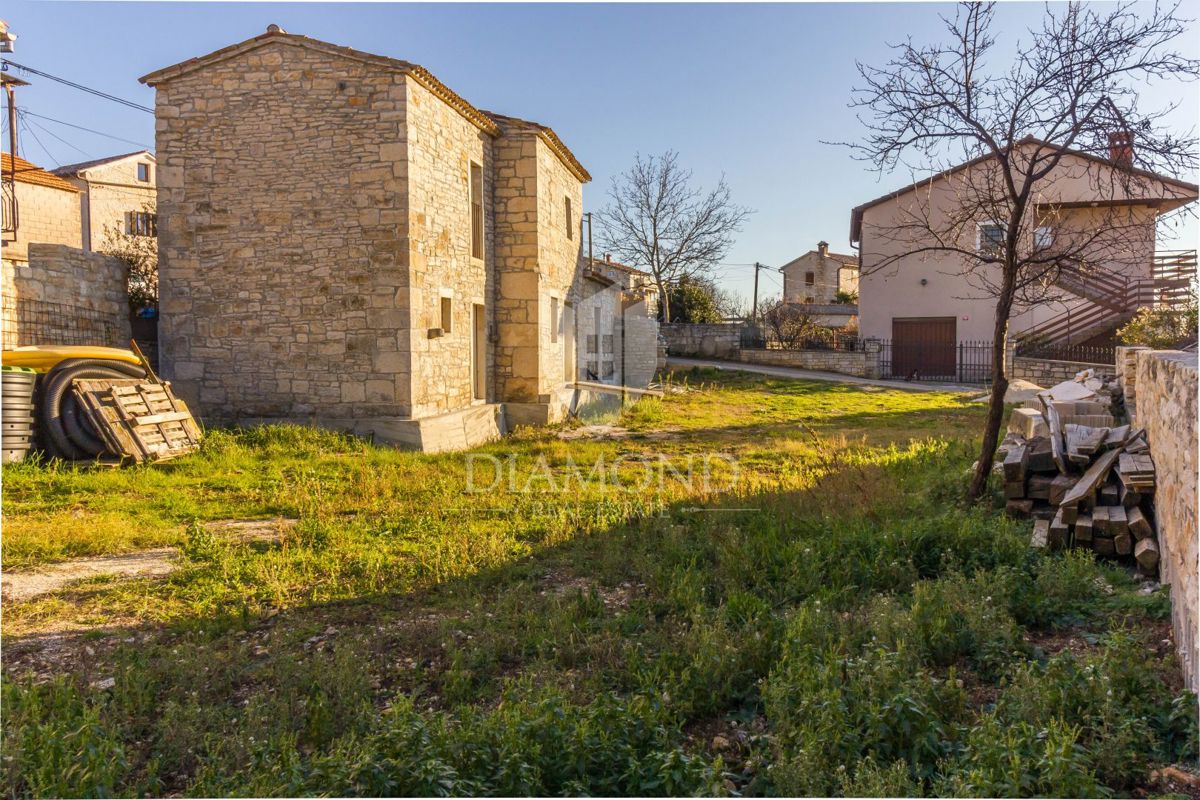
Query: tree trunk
[
  {"x": 664, "y": 301},
  {"x": 995, "y": 416}
]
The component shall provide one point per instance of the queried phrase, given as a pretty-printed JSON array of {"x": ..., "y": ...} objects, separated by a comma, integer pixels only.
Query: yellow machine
[{"x": 43, "y": 359}]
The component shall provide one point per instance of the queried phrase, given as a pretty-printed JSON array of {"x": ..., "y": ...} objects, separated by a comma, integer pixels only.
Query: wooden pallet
[{"x": 138, "y": 419}]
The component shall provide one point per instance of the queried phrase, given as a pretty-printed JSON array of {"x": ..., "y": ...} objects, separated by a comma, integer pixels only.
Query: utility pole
[
  {"x": 754, "y": 306},
  {"x": 589, "y": 221}
]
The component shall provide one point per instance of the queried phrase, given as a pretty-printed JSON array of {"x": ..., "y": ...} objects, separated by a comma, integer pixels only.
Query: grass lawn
[{"x": 757, "y": 586}]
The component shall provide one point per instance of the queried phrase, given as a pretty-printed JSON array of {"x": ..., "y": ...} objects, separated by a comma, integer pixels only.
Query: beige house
[
  {"x": 818, "y": 276},
  {"x": 929, "y": 301},
  {"x": 344, "y": 240},
  {"x": 116, "y": 193},
  {"x": 51, "y": 290}
]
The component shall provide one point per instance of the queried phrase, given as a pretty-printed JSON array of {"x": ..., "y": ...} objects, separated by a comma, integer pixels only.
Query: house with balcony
[{"x": 922, "y": 290}]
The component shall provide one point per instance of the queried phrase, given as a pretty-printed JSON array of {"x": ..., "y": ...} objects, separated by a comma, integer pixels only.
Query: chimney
[
  {"x": 608, "y": 258},
  {"x": 1120, "y": 148},
  {"x": 823, "y": 248}
]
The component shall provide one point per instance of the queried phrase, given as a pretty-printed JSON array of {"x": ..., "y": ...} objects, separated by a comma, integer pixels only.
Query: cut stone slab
[
  {"x": 1028, "y": 422},
  {"x": 1071, "y": 391}
]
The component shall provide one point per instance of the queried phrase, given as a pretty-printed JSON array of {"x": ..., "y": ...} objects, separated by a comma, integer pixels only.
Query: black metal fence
[
  {"x": 1084, "y": 354},
  {"x": 964, "y": 362},
  {"x": 37, "y": 322}
]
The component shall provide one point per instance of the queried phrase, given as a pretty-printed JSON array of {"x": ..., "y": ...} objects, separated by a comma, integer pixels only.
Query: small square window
[
  {"x": 447, "y": 304},
  {"x": 143, "y": 173},
  {"x": 991, "y": 238},
  {"x": 810, "y": 278}
]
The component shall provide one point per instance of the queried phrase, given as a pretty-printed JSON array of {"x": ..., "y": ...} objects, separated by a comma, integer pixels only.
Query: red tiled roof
[{"x": 27, "y": 172}]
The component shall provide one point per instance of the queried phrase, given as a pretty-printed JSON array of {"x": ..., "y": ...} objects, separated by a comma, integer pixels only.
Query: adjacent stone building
[
  {"x": 346, "y": 241},
  {"x": 617, "y": 324}
]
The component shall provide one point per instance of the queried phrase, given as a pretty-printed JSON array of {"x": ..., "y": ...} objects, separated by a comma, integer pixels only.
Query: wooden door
[{"x": 923, "y": 347}]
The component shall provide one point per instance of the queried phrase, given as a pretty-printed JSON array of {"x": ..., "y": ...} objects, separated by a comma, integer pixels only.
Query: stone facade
[
  {"x": 110, "y": 190},
  {"x": 818, "y": 275},
  {"x": 345, "y": 240},
  {"x": 62, "y": 295},
  {"x": 1166, "y": 406}
]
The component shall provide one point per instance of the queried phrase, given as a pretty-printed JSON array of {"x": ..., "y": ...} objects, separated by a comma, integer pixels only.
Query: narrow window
[
  {"x": 1043, "y": 238},
  {"x": 143, "y": 173},
  {"x": 809, "y": 278},
  {"x": 476, "y": 210},
  {"x": 446, "y": 314},
  {"x": 991, "y": 238},
  {"x": 570, "y": 218},
  {"x": 553, "y": 320}
]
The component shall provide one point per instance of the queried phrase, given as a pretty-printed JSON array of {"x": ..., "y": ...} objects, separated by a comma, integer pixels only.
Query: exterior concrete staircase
[{"x": 1112, "y": 299}]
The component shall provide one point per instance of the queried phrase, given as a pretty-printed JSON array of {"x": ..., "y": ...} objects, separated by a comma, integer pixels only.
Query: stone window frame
[
  {"x": 446, "y": 311},
  {"x": 143, "y": 168},
  {"x": 475, "y": 200},
  {"x": 810, "y": 278}
]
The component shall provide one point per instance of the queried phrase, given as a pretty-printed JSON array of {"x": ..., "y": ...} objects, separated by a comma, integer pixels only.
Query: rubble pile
[{"x": 1085, "y": 479}]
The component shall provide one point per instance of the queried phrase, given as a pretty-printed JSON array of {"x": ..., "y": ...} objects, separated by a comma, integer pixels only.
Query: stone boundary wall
[
  {"x": 1047, "y": 372},
  {"x": 694, "y": 340},
  {"x": 1165, "y": 386},
  {"x": 846, "y": 363},
  {"x": 64, "y": 295}
]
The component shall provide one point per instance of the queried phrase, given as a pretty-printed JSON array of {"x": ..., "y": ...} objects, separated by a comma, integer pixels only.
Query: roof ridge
[{"x": 79, "y": 166}]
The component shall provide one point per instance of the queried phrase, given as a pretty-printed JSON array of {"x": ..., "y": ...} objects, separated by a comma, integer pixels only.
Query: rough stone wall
[
  {"x": 45, "y": 215},
  {"x": 64, "y": 295},
  {"x": 514, "y": 215},
  {"x": 441, "y": 145},
  {"x": 560, "y": 261},
  {"x": 641, "y": 344},
  {"x": 1046, "y": 372},
  {"x": 846, "y": 363},
  {"x": 1167, "y": 409},
  {"x": 111, "y": 191},
  {"x": 720, "y": 340},
  {"x": 283, "y": 230}
]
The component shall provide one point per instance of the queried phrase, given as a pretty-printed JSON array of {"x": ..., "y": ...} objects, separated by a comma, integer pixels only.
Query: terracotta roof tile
[{"x": 27, "y": 172}]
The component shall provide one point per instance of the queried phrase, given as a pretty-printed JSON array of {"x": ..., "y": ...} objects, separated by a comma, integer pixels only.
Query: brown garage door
[{"x": 923, "y": 347}]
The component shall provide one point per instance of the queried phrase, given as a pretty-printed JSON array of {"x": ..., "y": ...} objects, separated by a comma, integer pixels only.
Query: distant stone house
[
  {"x": 117, "y": 193},
  {"x": 616, "y": 324},
  {"x": 344, "y": 240},
  {"x": 818, "y": 276}
]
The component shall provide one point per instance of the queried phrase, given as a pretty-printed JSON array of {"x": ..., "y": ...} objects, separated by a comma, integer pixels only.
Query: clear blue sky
[{"x": 749, "y": 91}]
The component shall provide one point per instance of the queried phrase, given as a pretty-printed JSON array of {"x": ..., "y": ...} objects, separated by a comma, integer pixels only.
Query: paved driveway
[{"x": 813, "y": 375}]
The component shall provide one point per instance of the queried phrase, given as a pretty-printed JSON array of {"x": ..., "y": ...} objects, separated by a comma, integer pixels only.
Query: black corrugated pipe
[{"x": 67, "y": 433}]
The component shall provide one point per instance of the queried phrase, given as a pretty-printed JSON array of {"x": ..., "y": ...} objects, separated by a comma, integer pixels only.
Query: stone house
[
  {"x": 818, "y": 276},
  {"x": 344, "y": 240},
  {"x": 616, "y": 324},
  {"x": 928, "y": 302},
  {"x": 51, "y": 290},
  {"x": 116, "y": 193}
]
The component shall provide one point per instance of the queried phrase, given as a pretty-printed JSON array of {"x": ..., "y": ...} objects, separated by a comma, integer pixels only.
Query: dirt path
[{"x": 18, "y": 586}]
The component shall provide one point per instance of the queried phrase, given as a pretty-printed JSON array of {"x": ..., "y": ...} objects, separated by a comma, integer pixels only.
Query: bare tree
[
  {"x": 790, "y": 323},
  {"x": 1066, "y": 108},
  {"x": 658, "y": 221},
  {"x": 140, "y": 254}
]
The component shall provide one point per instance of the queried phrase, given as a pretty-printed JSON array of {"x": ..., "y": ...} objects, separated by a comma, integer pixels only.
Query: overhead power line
[
  {"x": 81, "y": 87},
  {"x": 89, "y": 130}
]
